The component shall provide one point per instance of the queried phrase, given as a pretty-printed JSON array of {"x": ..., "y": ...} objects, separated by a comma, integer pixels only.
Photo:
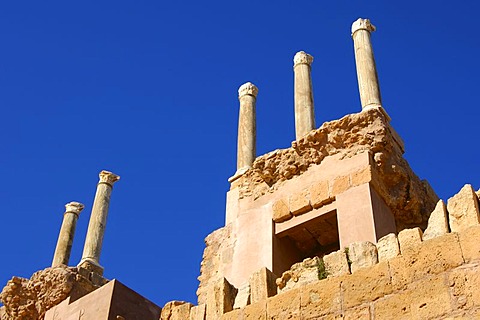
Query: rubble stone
[
  {"x": 361, "y": 255},
  {"x": 307, "y": 271},
  {"x": 336, "y": 264}
]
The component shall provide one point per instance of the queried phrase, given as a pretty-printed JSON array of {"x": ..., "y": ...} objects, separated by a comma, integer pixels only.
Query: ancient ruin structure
[{"x": 336, "y": 226}]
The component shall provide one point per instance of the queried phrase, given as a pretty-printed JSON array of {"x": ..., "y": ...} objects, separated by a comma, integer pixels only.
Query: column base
[
  {"x": 91, "y": 265},
  {"x": 240, "y": 172}
]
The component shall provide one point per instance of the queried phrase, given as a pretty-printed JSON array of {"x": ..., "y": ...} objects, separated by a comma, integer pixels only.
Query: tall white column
[
  {"x": 247, "y": 132},
  {"x": 304, "y": 109},
  {"x": 98, "y": 221},
  {"x": 67, "y": 232},
  {"x": 366, "y": 69}
]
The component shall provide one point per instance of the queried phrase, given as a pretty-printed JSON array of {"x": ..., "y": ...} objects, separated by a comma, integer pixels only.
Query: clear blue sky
[{"x": 148, "y": 90}]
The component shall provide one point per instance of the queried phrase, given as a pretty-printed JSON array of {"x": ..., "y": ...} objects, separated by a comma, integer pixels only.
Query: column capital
[
  {"x": 108, "y": 177},
  {"x": 362, "y": 24},
  {"x": 301, "y": 57},
  {"x": 74, "y": 207},
  {"x": 247, "y": 88}
]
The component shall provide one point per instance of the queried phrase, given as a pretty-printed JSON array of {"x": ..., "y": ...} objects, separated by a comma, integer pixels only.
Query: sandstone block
[
  {"x": 256, "y": 311},
  {"x": 319, "y": 194},
  {"x": 262, "y": 285},
  {"x": 300, "y": 274},
  {"x": 299, "y": 203},
  {"x": 220, "y": 298},
  {"x": 469, "y": 240},
  {"x": 360, "y": 313},
  {"x": 167, "y": 310},
  {"x": 243, "y": 297},
  {"x": 362, "y": 176},
  {"x": 181, "y": 312},
  {"x": 232, "y": 315},
  {"x": 463, "y": 210},
  {"x": 281, "y": 212},
  {"x": 366, "y": 285},
  {"x": 198, "y": 312},
  {"x": 432, "y": 257},
  {"x": 340, "y": 184},
  {"x": 464, "y": 284},
  {"x": 285, "y": 305},
  {"x": 320, "y": 298},
  {"x": 438, "y": 222},
  {"x": 426, "y": 299},
  {"x": 388, "y": 247},
  {"x": 336, "y": 264},
  {"x": 362, "y": 254},
  {"x": 409, "y": 239}
]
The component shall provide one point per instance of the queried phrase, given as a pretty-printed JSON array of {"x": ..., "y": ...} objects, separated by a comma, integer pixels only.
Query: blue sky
[{"x": 148, "y": 90}]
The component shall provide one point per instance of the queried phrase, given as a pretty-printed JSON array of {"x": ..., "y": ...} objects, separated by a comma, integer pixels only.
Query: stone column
[
  {"x": 365, "y": 61},
  {"x": 247, "y": 132},
  {"x": 67, "y": 232},
  {"x": 304, "y": 110},
  {"x": 98, "y": 220}
]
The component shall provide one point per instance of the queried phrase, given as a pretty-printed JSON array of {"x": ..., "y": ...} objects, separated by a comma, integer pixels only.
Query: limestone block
[
  {"x": 220, "y": 298},
  {"x": 362, "y": 176},
  {"x": 198, "y": 312},
  {"x": 262, "y": 285},
  {"x": 181, "y": 312},
  {"x": 409, "y": 239},
  {"x": 243, "y": 297},
  {"x": 300, "y": 274},
  {"x": 360, "y": 313},
  {"x": 281, "y": 212},
  {"x": 362, "y": 254},
  {"x": 463, "y": 209},
  {"x": 464, "y": 283},
  {"x": 299, "y": 203},
  {"x": 319, "y": 194},
  {"x": 366, "y": 285},
  {"x": 430, "y": 257},
  {"x": 285, "y": 305},
  {"x": 167, "y": 310},
  {"x": 469, "y": 240},
  {"x": 320, "y": 298},
  {"x": 387, "y": 247},
  {"x": 340, "y": 184},
  {"x": 336, "y": 264},
  {"x": 232, "y": 315},
  {"x": 256, "y": 311},
  {"x": 438, "y": 222}
]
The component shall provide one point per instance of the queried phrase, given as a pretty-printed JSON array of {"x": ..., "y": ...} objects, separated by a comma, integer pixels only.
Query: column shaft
[
  {"x": 304, "y": 107},
  {"x": 368, "y": 84},
  {"x": 67, "y": 233},
  {"x": 247, "y": 132},
  {"x": 98, "y": 220}
]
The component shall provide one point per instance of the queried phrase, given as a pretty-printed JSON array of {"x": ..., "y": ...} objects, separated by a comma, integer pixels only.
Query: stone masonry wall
[{"x": 411, "y": 275}]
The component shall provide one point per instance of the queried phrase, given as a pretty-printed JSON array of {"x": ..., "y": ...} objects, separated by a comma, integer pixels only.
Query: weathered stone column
[
  {"x": 98, "y": 220},
  {"x": 247, "y": 132},
  {"x": 304, "y": 110},
  {"x": 365, "y": 61},
  {"x": 67, "y": 232}
]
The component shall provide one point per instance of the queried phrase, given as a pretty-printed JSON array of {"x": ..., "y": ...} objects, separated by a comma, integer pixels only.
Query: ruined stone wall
[{"x": 412, "y": 275}]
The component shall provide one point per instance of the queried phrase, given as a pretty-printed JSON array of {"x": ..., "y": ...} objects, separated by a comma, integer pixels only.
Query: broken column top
[
  {"x": 108, "y": 177},
  {"x": 74, "y": 207},
  {"x": 302, "y": 57},
  {"x": 247, "y": 88},
  {"x": 362, "y": 24}
]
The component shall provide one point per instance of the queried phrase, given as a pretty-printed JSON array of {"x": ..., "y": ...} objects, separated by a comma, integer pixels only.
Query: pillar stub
[
  {"x": 247, "y": 88},
  {"x": 74, "y": 207},
  {"x": 108, "y": 178},
  {"x": 362, "y": 24},
  {"x": 302, "y": 57}
]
